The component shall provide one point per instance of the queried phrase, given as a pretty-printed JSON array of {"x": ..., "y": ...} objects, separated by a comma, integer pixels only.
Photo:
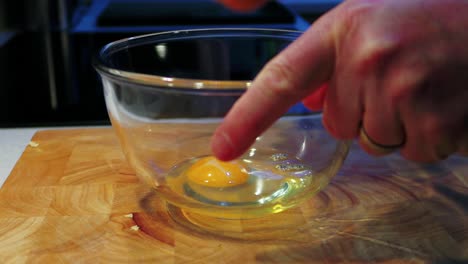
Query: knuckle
[
  {"x": 364, "y": 44},
  {"x": 279, "y": 76},
  {"x": 375, "y": 51},
  {"x": 404, "y": 83},
  {"x": 376, "y": 48},
  {"x": 355, "y": 12}
]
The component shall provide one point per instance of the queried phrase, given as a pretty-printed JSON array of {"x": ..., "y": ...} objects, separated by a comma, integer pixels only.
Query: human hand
[{"x": 397, "y": 68}]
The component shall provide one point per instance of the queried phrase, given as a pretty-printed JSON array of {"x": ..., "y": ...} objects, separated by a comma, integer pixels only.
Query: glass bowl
[{"x": 167, "y": 92}]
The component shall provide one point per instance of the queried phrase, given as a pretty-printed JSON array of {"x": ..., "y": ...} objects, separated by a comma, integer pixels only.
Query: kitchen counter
[
  {"x": 75, "y": 199},
  {"x": 12, "y": 144}
]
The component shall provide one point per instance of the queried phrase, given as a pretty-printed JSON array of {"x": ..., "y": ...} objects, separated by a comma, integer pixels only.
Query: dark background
[{"x": 46, "y": 47}]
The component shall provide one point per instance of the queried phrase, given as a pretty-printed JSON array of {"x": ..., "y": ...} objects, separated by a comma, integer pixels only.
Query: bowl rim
[{"x": 103, "y": 68}]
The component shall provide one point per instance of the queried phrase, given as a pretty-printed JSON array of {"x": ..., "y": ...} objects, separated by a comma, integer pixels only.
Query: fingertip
[{"x": 222, "y": 147}]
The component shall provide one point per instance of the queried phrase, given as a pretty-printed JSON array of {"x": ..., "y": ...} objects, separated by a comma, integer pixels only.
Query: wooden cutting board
[{"x": 72, "y": 198}]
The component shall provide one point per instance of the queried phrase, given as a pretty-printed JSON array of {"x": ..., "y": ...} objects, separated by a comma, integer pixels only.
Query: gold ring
[{"x": 375, "y": 146}]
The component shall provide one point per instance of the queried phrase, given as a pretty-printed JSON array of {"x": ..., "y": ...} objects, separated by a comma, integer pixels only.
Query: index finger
[{"x": 294, "y": 73}]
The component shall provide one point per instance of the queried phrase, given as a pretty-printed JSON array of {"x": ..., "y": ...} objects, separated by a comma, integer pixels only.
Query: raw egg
[{"x": 211, "y": 172}]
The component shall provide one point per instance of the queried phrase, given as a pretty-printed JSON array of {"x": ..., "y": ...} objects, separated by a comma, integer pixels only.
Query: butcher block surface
[{"x": 72, "y": 198}]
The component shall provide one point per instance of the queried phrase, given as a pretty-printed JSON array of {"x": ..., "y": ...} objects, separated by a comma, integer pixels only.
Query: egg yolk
[{"x": 211, "y": 172}]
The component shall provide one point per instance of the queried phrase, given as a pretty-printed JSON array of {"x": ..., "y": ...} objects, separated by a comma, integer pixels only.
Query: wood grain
[{"x": 74, "y": 199}]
